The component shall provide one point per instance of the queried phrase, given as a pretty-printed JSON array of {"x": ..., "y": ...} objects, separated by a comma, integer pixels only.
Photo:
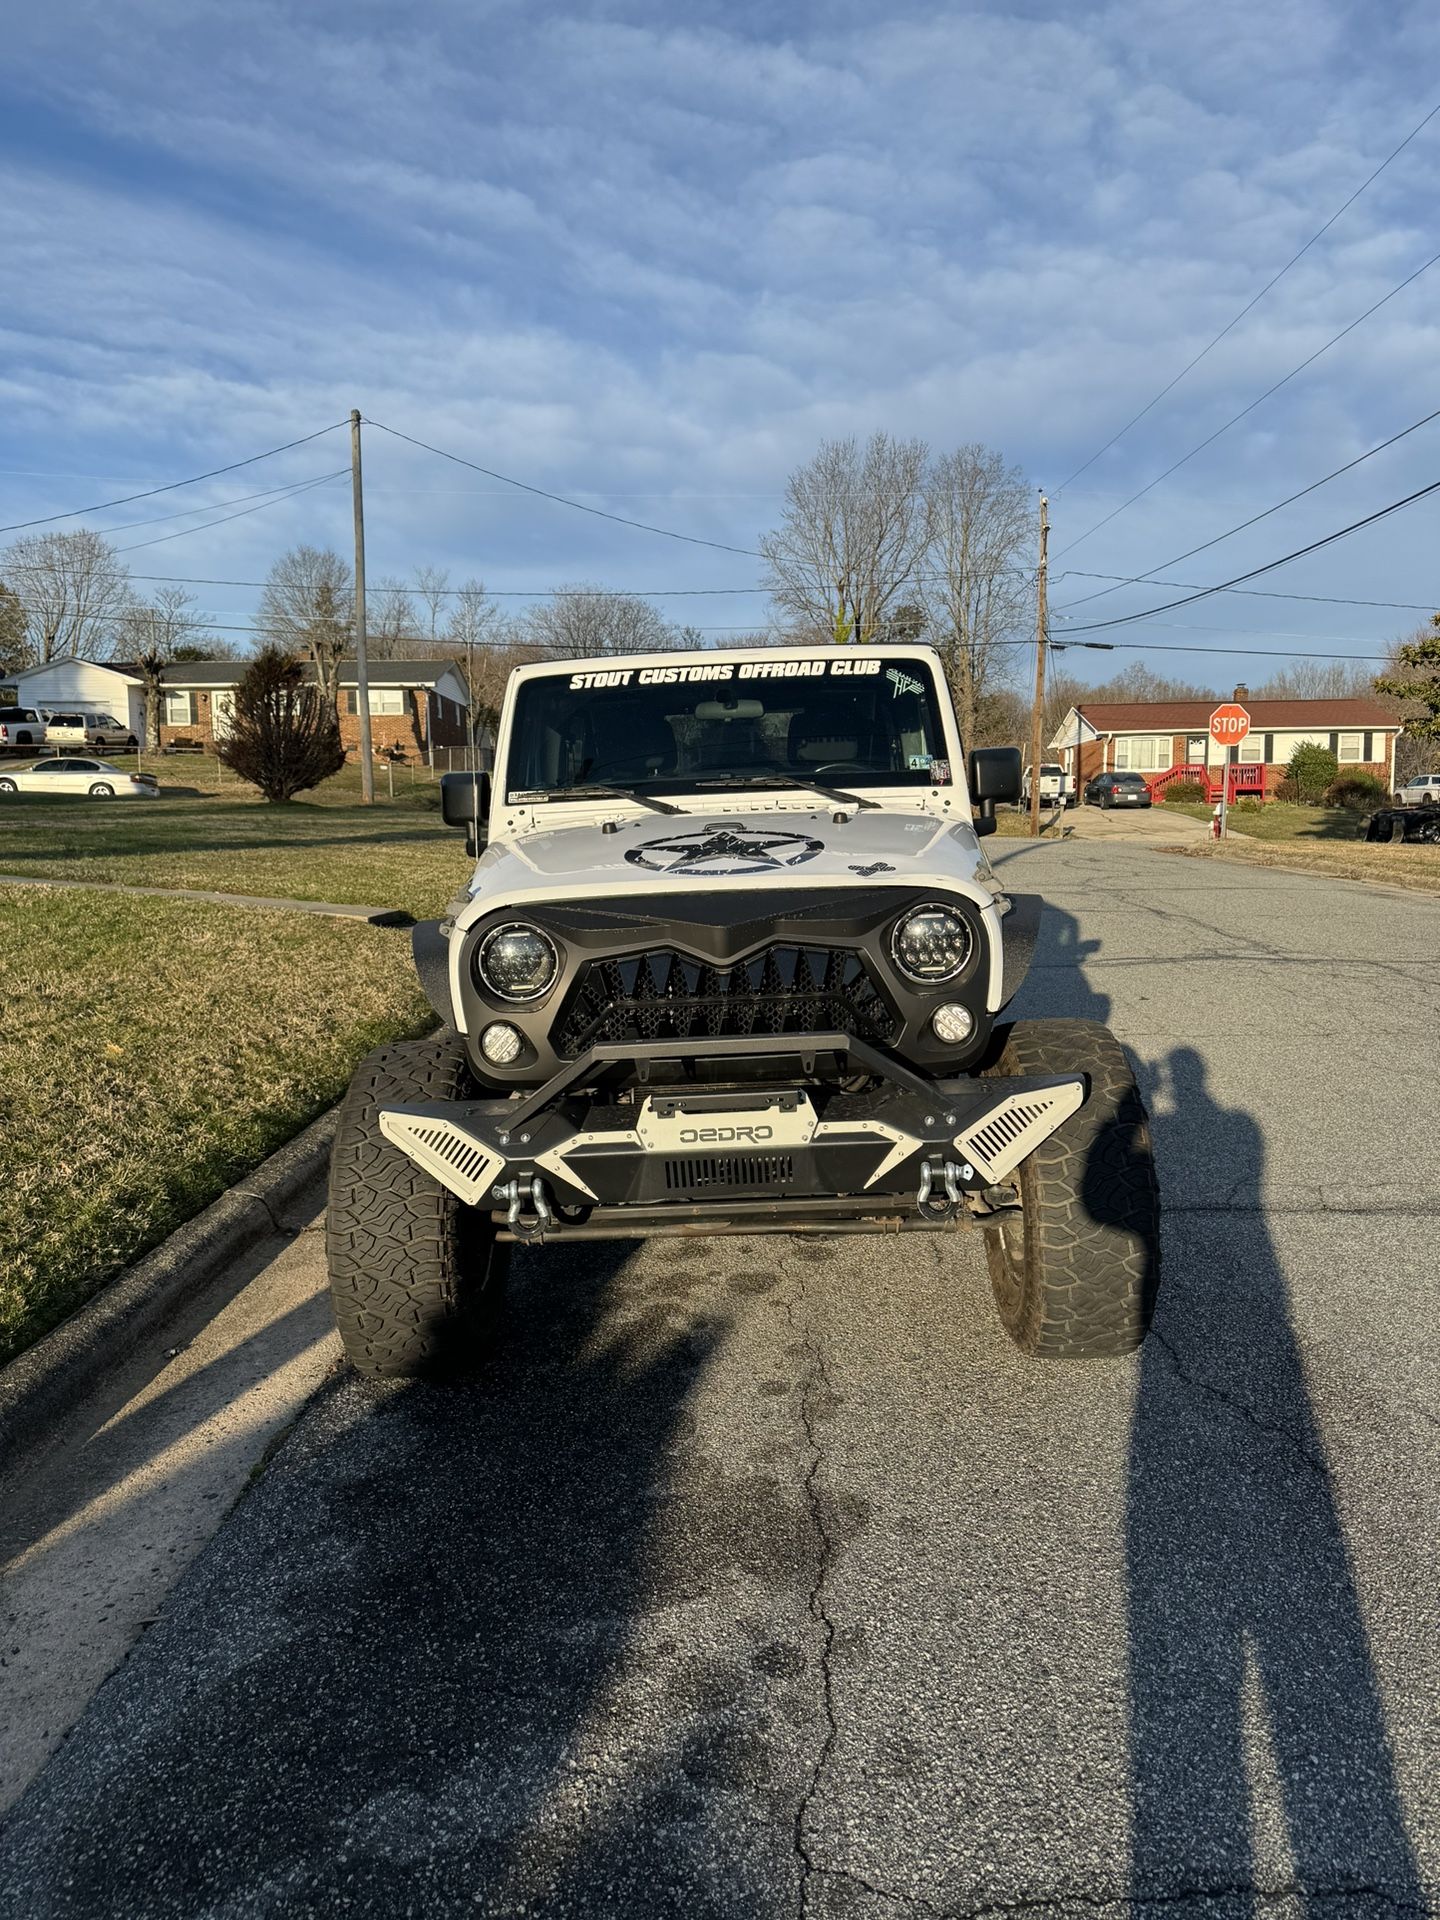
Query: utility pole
[
  {"x": 1038, "y": 712},
  {"x": 362, "y": 671}
]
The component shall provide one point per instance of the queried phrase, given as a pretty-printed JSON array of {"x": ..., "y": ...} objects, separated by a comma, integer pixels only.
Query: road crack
[
  {"x": 1210, "y": 1391},
  {"x": 817, "y": 1381}
]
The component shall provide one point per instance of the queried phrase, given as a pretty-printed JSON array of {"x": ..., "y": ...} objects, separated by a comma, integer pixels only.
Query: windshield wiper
[
  {"x": 785, "y": 780},
  {"x": 586, "y": 792}
]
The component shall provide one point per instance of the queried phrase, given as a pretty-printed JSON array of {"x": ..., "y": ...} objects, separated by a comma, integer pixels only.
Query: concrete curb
[{"x": 47, "y": 1381}]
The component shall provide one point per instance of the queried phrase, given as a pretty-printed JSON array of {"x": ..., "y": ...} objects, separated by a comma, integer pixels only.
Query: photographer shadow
[{"x": 1259, "y": 1745}]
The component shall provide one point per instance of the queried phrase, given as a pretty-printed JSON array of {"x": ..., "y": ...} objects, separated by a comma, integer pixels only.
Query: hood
[{"x": 659, "y": 852}]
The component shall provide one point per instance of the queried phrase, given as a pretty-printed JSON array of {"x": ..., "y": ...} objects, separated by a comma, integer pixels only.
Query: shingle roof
[{"x": 1193, "y": 716}]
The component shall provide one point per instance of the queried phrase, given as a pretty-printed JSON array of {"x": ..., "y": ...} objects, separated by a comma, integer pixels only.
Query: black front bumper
[{"x": 694, "y": 1158}]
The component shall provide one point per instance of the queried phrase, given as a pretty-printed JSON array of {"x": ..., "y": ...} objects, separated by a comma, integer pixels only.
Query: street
[{"x": 764, "y": 1576}]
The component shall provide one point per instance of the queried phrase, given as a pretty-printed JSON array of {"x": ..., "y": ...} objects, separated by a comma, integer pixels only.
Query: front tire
[
  {"x": 1075, "y": 1272},
  {"x": 415, "y": 1277},
  {"x": 8, "y": 786}
]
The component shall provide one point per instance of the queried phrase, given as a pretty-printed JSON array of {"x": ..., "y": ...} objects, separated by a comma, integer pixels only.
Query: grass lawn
[
  {"x": 325, "y": 846},
  {"x": 1318, "y": 840},
  {"x": 152, "y": 1052}
]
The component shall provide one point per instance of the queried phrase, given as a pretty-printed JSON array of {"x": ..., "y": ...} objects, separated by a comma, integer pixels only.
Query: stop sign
[{"x": 1229, "y": 724}]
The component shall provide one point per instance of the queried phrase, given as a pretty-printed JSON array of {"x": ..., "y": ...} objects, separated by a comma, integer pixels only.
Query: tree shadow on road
[{"x": 388, "y": 1678}]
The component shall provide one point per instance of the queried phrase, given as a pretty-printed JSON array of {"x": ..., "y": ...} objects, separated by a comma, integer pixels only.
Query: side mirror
[
  {"x": 465, "y": 802},
  {"x": 994, "y": 777}
]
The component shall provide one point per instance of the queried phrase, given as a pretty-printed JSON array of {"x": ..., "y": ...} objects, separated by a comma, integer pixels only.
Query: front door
[{"x": 222, "y": 714}]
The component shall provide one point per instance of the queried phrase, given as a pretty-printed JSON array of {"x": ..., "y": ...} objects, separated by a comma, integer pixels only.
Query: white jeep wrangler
[{"x": 733, "y": 960}]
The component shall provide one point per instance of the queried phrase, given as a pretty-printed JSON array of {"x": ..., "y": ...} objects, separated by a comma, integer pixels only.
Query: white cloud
[{"x": 621, "y": 256}]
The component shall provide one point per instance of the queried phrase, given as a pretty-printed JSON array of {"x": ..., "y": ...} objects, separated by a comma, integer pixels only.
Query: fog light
[
  {"x": 953, "y": 1023},
  {"x": 500, "y": 1044}
]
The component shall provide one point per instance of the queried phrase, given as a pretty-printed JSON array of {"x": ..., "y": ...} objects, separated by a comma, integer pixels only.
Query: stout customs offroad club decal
[{"x": 719, "y": 849}]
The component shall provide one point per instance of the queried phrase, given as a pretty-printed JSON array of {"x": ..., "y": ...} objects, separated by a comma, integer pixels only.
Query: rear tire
[
  {"x": 102, "y": 791},
  {"x": 416, "y": 1278},
  {"x": 1075, "y": 1273}
]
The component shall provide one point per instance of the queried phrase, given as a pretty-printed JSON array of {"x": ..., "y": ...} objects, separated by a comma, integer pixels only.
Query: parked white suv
[
  {"x": 1052, "y": 785},
  {"x": 1423, "y": 790},
  {"x": 22, "y": 729},
  {"x": 87, "y": 728}
]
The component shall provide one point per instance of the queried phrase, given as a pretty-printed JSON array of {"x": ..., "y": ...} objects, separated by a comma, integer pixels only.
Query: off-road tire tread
[
  {"x": 1092, "y": 1205},
  {"x": 407, "y": 1286}
]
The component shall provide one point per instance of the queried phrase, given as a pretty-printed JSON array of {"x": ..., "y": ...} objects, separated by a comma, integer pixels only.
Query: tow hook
[
  {"x": 939, "y": 1195},
  {"x": 516, "y": 1193}
]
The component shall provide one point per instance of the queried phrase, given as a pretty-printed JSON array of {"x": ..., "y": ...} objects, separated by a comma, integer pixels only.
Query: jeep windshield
[{"x": 845, "y": 718}]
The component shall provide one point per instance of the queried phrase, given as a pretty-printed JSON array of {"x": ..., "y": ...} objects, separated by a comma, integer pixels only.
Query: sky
[{"x": 649, "y": 256}]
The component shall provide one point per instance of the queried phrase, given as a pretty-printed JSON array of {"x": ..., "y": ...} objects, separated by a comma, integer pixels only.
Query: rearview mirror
[
  {"x": 994, "y": 777},
  {"x": 465, "y": 802}
]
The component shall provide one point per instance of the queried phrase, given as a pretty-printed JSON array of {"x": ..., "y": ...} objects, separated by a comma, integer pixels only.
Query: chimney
[{"x": 1241, "y": 692}]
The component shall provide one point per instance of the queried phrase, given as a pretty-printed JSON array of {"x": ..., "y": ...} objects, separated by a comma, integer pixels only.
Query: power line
[
  {"x": 171, "y": 486},
  {"x": 1251, "y": 304},
  {"x": 1126, "y": 619},
  {"x": 304, "y": 486},
  {"x": 187, "y": 513},
  {"x": 1249, "y": 593},
  {"x": 1256, "y": 518},
  {"x": 1210, "y": 439},
  {"x": 559, "y": 498}
]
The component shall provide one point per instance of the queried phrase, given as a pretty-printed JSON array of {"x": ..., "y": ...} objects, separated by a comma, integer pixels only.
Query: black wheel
[
  {"x": 415, "y": 1277},
  {"x": 1075, "y": 1271},
  {"x": 8, "y": 786},
  {"x": 1107, "y": 801},
  {"x": 102, "y": 790}
]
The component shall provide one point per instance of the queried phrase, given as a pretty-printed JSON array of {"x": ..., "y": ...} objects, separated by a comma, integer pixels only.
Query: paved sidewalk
[
  {"x": 95, "y": 1532},
  {"x": 374, "y": 916}
]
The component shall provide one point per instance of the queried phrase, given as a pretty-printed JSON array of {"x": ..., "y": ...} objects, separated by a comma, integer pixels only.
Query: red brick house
[
  {"x": 1167, "y": 739},
  {"x": 416, "y": 706}
]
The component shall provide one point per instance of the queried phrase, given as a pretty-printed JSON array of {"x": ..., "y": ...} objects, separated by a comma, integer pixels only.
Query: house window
[
  {"x": 382, "y": 700},
  {"x": 179, "y": 709},
  {"x": 1352, "y": 749},
  {"x": 1252, "y": 751},
  {"x": 1142, "y": 753}
]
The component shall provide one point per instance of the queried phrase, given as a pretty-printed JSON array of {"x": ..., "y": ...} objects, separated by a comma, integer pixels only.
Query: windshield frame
[{"x": 690, "y": 790}]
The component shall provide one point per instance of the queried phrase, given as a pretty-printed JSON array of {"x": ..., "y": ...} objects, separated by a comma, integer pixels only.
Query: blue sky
[{"x": 650, "y": 255}]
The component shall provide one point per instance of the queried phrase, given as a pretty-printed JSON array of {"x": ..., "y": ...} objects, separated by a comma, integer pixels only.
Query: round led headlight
[
  {"x": 953, "y": 1023},
  {"x": 517, "y": 961},
  {"x": 500, "y": 1044},
  {"x": 931, "y": 943}
]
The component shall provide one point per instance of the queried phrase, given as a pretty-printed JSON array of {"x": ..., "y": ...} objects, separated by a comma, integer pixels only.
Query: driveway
[
  {"x": 1160, "y": 825},
  {"x": 763, "y": 1577}
]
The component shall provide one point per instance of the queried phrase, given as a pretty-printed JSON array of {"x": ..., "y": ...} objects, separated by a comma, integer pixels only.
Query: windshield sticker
[
  {"x": 903, "y": 682},
  {"x": 939, "y": 773},
  {"x": 855, "y": 665},
  {"x": 717, "y": 850},
  {"x": 918, "y": 762}
]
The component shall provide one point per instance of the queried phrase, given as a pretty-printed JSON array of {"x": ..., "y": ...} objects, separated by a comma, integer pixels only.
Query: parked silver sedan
[{"x": 80, "y": 778}]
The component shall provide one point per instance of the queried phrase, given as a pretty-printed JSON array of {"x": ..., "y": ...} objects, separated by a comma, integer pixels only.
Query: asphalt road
[{"x": 763, "y": 1577}]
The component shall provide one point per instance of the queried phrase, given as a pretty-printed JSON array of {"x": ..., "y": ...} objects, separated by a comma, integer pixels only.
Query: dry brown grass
[
  {"x": 1416, "y": 868},
  {"x": 151, "y": 1053}
]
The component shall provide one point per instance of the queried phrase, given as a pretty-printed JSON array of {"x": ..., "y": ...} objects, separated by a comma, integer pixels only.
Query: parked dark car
[{"x": 1117, "y": 790}]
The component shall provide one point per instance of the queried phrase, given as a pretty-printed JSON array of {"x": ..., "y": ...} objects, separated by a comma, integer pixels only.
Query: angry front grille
[{"x": 666, "y": 995}]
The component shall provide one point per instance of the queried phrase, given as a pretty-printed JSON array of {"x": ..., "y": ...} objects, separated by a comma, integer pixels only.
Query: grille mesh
[
  {"x": 666, "y": 995},
  {"x": 693, "y": 1173}
]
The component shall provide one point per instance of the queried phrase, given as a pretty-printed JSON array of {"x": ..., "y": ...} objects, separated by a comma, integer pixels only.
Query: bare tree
[
  {"x": 1315, "y": 680},
  {"x": 433, "y": 586},
  {"x": 13, "y": 646},
  {"x": 155, "y": 633},
  {"x": 976, "y": 591},
  {"x": 583, "y": 622},
  {"x": 392, "y": 624},
  {"x": 76, "y": 593},
  {"x": 474, "y": 618},
  {"x": 306, "y": 609},
  {"x": 854, "y": 534}
]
